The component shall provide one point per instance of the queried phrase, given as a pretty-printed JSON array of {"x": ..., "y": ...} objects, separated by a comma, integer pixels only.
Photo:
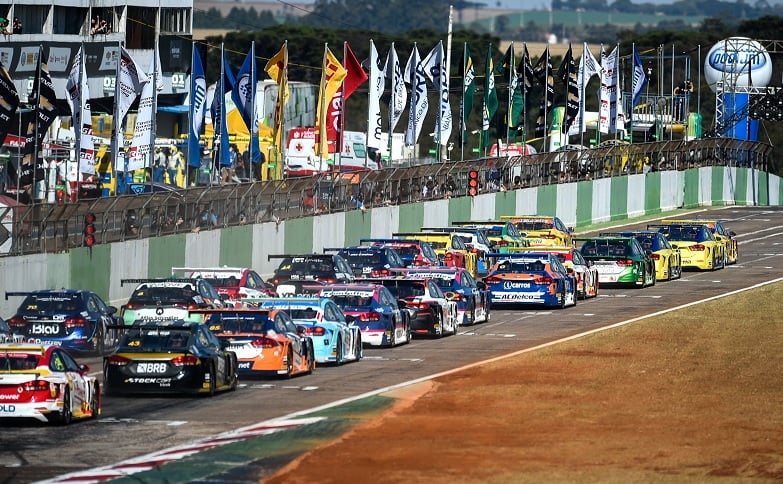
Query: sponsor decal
[
  {"x": 44, "y": 329},
  {"x": 12, "y": 396},
  {"x": 164, "y": 382},
  {"x": 517, "y": 296},
  {"x": 516, "y": 285},
  {"x": 244, "y": 365},
  {"x": 151, "y": 367},
  {"x": 7, "y": 408}
]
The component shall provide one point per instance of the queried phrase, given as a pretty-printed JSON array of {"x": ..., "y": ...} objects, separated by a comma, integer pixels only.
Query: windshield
[
  {"x": 250, "y": 323},
  {"x": 50, "y": 303},
  {"x": 406, "y": 289},
  {"x": 521, "y": 266},
  {"x": 156, "y": 340},
  {"x": 18, "y": 361},
  {"x": 306, "y": 267},
  {"x": 354, "y": 301},
  {"x": 163, "y": 295},
  {"x": 606, "y": 248}
]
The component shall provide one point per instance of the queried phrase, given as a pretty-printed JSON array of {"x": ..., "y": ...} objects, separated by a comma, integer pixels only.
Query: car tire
[
  {"x": 97, "y": 340},
  {"x": 289, "y": 366},
  {"x": 310, "y": 359},
  {"x": 95, "y": 401},
  {"x": 359, "y": 346},
  {"x": 339, "y": 352},
  {"x": 212, "y": 380},
  {"x": 393, "y": 338},
  {"x": 66, "y": 414},
  {"x": 561, "y": 303},
  {"x": 234, "y": 375}
]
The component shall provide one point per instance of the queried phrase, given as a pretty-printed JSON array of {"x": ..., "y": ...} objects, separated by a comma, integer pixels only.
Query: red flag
[{"x": 356, "y": 77}]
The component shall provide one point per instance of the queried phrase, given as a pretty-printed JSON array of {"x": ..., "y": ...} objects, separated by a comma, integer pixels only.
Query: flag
[
  {"x": 218, "y": 111},
  {"x": 79, "y": 101},
  {"x": 198, "y": 108},
  {"x": 355, "y": 77},
  {"x": 377, "y": 85},
  {"x": 468, "y": 92},
  {"x": 243, "y": 93},
  {"x": 143, "y": 141},
  {"x": 277, "y": 68},
  {"x": 435, "y": 68},
  {"x": 567, "y": 75},
  {"x": 516, "y": 100},
  {"x": 9, "y": 101},
  {"x": 639, "y": 78},
  {"x": 607, "y": 112},
  {"x": 332, "y": 76},
  {"x": 526, "y": 80},
  {"x": 399, "y": 96},
  {"x": 543, "y": 74},
  {"x": 588, "y": 67},
  {"x": 417, "y": 78},
  {"x": 44, "y": 109},
  {"x": 490, "y": 98},
  {"x": 129, "y": 85}
]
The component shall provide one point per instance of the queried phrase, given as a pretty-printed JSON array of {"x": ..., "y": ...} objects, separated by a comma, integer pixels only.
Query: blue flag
[
  {"x": 218, "y": 111},
  {"x": 639, "y": 78},
  {"x": 243, "y": 93},
  {"x": 198, "y": 108}
]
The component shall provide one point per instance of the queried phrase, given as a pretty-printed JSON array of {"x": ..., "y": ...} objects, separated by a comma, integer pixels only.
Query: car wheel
[
  {"x": 359, "y": 346},
  {"x": 339, "y": 351},
  {"x": 66, "y": 414},
  {"x": 234, "y": 375},
  {"x": 393, "y": 337},
  {"x": 310, "y": 359},
  {"x": 95, "y": 401},
  {"x": 438, "y": 317},
  {"x": 653, "y": 276},
  {"x": 212, "y": 380},
  {"x": 289, "y": 365},
  {"x": 97, "y": 340}
]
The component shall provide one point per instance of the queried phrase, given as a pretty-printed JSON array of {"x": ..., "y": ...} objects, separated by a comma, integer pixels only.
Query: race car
[
  {"x": 502, "y": 234},
  {"x": 413, "y": 252},
  {"x": 168, "y": 299},
  {"x": 335, "y": 338},
  {"x": 265, "y": 341},
  {"x": 369, "y": 260},
  {"x": 373, "y": 308},
  {"x": 475, "y": 238},
  {"x": 431, "y": 314},
  {"x": 45, "y": 383},
  {"x": 451, "y": 249},
  {"x": 699, "y": 249},
  {"x": 231, "y": 283},
  {"x": 586, "y": 274},
  {"x": 542, "y": 230},
  {"x": 722, "y": 234},
  {"x": 296, "y": 270},
  {"x": 458, "y": 285},
  {"x": 77, "y": 320},
  {"x": 619, "y": 260},
  {"x": 530, "y": 278},
  {"x": 169, "y": 357},
  {"x": 6, "y": 335},
  {"x": 667, "y": 259}
]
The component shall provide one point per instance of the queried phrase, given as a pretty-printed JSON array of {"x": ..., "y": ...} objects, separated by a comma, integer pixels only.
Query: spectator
[
  {"x": 4, "y": 26},
  {"x": 131, "y": 224},
  {"x": 158, "y": 166},
  {"x": 174, "y": 164},
  {"x": 18, "y": 27},
  {"x": 207, "y": 218}
]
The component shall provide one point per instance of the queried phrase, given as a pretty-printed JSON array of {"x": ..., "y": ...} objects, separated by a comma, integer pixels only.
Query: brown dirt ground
[{"x": 695, "y": 395}]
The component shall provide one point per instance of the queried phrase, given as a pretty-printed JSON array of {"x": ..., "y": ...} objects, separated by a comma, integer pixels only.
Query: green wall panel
[
  {"x": 58, "y": 269},
  {"x": 411, "y": 217},
  {"x": 358, "y": 225},
  {"x": 716, "y": 193},
  {"x": 741, "y": 195},
  {"x": 546, "y": 204},
  {"x": 618, "y": 203},
  {"x": 584, "y": 203},
  {"x": 652, "y": 192},
  {"x": 691, "y": 197},
  {"x": 299, "y": 235},
  {"x": 91, "y": 269},
  {"x": 165, "y": 253},
  {"x": 505, "y": 204},
  {"x": 460, "y": 209},
  {"x": 763, "y": 192},
  {"x": 236, "y": 246}
]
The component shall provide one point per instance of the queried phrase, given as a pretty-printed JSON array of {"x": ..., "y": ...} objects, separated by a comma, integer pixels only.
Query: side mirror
[
  {"x": 112, "y": 309},
  {"x": 301, "y": 330},
  {"x": 84, "y": 369},
  {"x": 648, "y": 253},
  {"x": 401, "y": 304},
  {"x": 732, "y": 233},
  {"x": 675, "y": 247},
  {"x": 481, "y": 285},
  {"x": 349, "y": 319},
  {"x": 223, "y": 297},
  {"x": 569, "y": 271}
]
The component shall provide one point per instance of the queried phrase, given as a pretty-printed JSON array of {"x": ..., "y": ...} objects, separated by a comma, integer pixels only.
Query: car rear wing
[
  {"x": 389, "y": 241},
  {"x": 207, "y": 269},
  {"x": 166, "y": 325},
  {"x": 16, "y": 293},
  {"x": 240, "y": 310},
  {"x": 156, "y": 279},
  {"x": 619, "y": 234},
  {"x": 301, "y": 256}
]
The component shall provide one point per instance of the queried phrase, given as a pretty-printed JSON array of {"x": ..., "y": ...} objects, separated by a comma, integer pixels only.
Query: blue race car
[
  {"x": 376, "y": 311},
  {"x": 76, "y": 320},
  {"x": 335, "y": 339},
  {"x": 535, "y": 278}
]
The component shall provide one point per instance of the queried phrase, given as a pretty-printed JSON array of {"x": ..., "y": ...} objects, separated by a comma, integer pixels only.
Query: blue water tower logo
[{"x": 738, "y": 62}]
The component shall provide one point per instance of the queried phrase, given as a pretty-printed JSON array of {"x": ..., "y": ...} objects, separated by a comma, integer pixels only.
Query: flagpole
[
  {"x": 463, "y": 126},
  {"x": 322, "y": 112},
  {"x": 151, "y": 150},
  {"x": 77, "y": 128},
  {"x": 525, "y": 62},
  {"x": 338, "y": 149},
  {"x": 253, "y": 120},
  {"x": 633, "y": 82},
  {"x": 115, "y": 125},
  {"x": 393, "y": 98},
  {"x": 370, "y": 104},
  {"x": 36, "y": 145},
  {"x": 546, "y": 96},
  {"x": 509, "y": 104},
  {"x": 190, "y": 120},
  {"x": 439, "y": 113}
]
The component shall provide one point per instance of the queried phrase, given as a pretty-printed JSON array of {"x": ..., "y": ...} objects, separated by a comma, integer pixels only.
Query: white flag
[
  {"x": 435, "y": 68},
  {"x": 607, "y": 114},
  {"x": 79, "y": 101},
  {"x": 141, "y": 146},
  {"x": 588, "y": 67},
  {"x": 417, "y": 78},
  {"x": 377, "y": 85},
  {"x": 128, "y": 85},
  {"x": 399, "y": 96}
]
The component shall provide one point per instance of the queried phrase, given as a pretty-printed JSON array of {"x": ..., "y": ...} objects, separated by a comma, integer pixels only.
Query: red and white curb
[{"x": 165, "y": 456}]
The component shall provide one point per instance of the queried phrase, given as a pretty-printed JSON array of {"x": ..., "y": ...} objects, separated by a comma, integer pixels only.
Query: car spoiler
[
  {"x": 412, "y": 234},
  {"x": 389, "y": 241},
  {"x": 286, "y": 256},
  {"x": 151, "y": 327},
  {"x": 241, "y": 310},
  {"x": 155, "y": 279},
  {"x": 17, "y": 293},
  {"x": 621, "y": 234},
  {"x": 206, "y": 269}
]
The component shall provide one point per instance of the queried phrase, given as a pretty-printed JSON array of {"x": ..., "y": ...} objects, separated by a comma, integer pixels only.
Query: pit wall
[{"x": 578, "y": 204}]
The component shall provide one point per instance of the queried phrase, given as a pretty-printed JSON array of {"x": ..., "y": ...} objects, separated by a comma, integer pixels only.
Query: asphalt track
[{"x": 152, "y": 437}]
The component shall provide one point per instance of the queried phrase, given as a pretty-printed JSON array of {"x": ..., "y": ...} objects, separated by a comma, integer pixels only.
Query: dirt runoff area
[{"x": 695, "y": 395}]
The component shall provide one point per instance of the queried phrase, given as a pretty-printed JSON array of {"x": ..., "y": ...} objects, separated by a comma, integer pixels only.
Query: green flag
[
  {"x": 516, "y": 102},
  {"x": 468, "y": 91},
  {"x": 490, "y": 99}
]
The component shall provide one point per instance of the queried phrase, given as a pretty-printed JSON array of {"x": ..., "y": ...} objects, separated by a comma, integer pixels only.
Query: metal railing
[{"x": 51, "y": 228}]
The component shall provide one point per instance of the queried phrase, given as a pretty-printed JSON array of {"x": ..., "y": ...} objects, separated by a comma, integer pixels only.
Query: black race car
[
  {"x": 370, "y": 260},
  {"x": 169, "y": 357},
  {"x": 302, "y": 273},
  {"x": 74, "y": 319}
]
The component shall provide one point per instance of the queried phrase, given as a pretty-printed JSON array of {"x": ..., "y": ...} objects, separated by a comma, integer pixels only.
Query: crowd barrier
[{"x": 57, "y": 228}]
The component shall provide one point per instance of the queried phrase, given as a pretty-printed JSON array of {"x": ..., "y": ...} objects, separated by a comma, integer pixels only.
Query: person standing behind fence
[
  {"x": 174, "y": 165},
  {"x": 158, "y": 166}
]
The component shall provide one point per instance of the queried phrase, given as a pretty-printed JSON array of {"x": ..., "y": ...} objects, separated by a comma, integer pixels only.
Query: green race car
[{"x": 619, "y": 260}]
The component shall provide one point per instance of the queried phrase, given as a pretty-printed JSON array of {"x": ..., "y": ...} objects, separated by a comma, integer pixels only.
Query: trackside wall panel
[
  {"x": 652, "y": 192},
  {"x": 436, "y": 213},
  {"x": 165, "y": 253},
  {"x": 602, "y": 200},
  {"x": 743, "y": 195},
  {"x": 31, "y": 272},
  {"x": 720, "y": 195},
  {"x": 584, "y": 205},
  {"x": 505, "y": 203},
  {"x": 92, "y": 269},
  {"x": 202, "y": 249},
  {"x": 358, "y": 225},
  {"x": 298, "y": 236},
  {"x": 236, "y": 246},
  {"x": 547, "y": 200},
  {"x": 129, "y": 260},
  {"x": 635, "y": 194},
  {"x": 567, "y": 197},
  {"x": 527, "y": 201},
  {"x": 763, "y": 190},
  {"x": 672, "y": 189},
  {"x": 385, "y": 220},
  {"x": 705, "y": 186},
  {"x": 482, "y": 207},
  {"x": 411, "y": 218},
  {"x": 268, "y": 238},
  {"x": 328, "y": 231},
  {"x": 618, "y": 204},
  {"x": 691, "y": 189}
]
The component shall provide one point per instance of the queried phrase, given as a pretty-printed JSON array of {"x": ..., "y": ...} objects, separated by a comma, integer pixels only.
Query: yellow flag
[
  {"x": 277, "y": 68},
  {"x": 331, "y": 79}
]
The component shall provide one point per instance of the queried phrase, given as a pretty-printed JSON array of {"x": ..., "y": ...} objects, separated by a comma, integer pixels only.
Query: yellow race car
[
  {"x": 721, "y": 233},
  {"x": 699, "y": 249},
  {"x": 542, "y": 230}
]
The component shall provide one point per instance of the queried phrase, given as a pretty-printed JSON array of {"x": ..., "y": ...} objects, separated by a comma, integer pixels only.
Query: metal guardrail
[{"x": 51, "y": 228}]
